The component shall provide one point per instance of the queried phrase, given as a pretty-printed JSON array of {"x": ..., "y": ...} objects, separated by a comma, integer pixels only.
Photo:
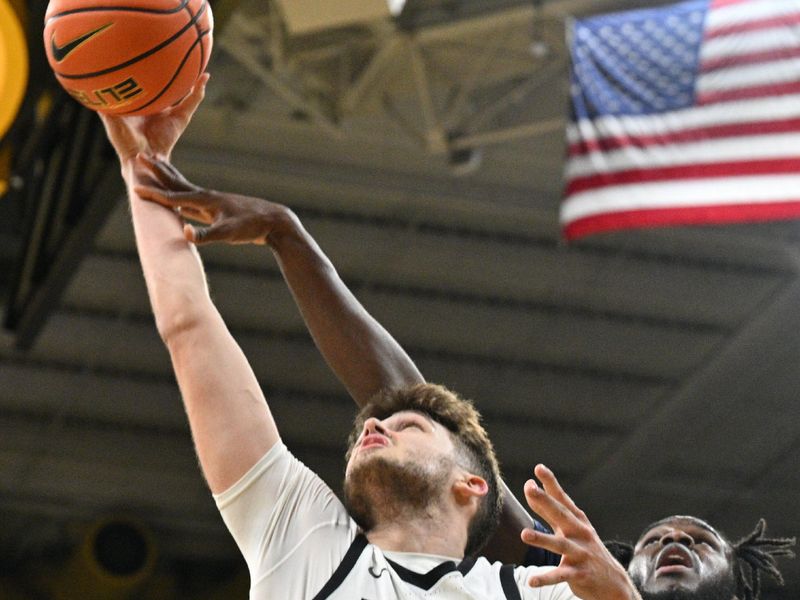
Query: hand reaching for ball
[
  {"x": 157, "y": 134},
  {"x": 229, "y": 218}
]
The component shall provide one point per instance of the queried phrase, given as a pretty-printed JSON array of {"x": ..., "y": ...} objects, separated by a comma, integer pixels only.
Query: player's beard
[
  {"x": 386, "y": 491},
  {"x": 719, "y": 588}
]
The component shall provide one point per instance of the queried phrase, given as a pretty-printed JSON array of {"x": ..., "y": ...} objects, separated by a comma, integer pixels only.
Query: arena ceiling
[{"x": 655, "y": 371}]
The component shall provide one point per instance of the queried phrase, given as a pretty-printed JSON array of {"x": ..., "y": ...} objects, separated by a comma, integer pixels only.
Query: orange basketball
[{"x": 128, "y": 57}]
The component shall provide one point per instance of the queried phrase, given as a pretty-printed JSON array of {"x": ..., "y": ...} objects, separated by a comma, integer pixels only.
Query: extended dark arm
[{"x": 361, "y": 353}]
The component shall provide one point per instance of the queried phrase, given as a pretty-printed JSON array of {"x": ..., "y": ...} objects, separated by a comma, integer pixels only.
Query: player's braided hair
[
  {"x": 621, "y": 551},
  {"x": 756, "y": 554},
  {"x": 753, "y": 556}
]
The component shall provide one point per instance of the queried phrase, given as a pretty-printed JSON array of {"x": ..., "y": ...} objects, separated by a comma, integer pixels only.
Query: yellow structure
[
  {"x": 13, "y": 64},
  {"x": 116, "y": 557},
  {"x": 13, "y": 69}
]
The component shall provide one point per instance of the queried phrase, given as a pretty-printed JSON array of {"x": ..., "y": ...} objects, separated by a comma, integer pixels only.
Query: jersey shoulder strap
[
  {"x": 343, "y": 570},
  {"x": 509, "y": 583}
]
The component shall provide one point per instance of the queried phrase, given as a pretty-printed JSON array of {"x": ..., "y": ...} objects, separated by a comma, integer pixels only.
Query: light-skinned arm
[
  {"x": 230, "y": 422},
  {"x": 362, "y": 354}
]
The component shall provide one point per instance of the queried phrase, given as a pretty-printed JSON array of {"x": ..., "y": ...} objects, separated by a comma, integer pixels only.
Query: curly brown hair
[{"x": 460, "y": 417}]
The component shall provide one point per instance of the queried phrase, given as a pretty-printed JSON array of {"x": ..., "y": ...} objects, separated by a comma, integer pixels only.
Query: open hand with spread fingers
[
  {"x": 226, "y": 217},
  {"x": 586, "y": 565}
]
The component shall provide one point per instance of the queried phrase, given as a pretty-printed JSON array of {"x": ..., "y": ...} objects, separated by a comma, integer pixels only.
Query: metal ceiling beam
[
  {"x": 300, "y": 79},
  {"x": 290, "y": 70},
  {"x": 243, "y": 53},
  {"x": 435, "y": 136},
  {"x": 70, "y": 183},
  {"x": 371, "y": 74}
]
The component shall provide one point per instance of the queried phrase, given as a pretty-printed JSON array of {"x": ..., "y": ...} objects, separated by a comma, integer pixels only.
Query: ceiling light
[{"x": 396, "y": 6}]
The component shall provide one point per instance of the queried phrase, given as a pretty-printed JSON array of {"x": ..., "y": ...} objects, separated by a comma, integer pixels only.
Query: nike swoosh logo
[
  {"x": 381, "y": 572},
  {"x": 61, "y": 52}
]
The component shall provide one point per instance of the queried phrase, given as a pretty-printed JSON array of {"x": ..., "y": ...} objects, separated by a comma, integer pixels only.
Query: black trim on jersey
[
  {"x": 509, "y": 583},
  {"x": 424, "y": 581},
  {"x": 465, "y": 566},
  {"x": 343, "y": 570}
]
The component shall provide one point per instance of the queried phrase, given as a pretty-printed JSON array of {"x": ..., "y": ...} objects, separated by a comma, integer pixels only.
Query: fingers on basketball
[
  {"x": 141, "y": 60},
  {"x": 166, "y": 175}
]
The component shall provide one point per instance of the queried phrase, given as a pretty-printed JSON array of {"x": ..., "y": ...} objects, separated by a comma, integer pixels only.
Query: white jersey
[
  {"x": 367, "y": 574},
  {"x": 300, "y": 544}
]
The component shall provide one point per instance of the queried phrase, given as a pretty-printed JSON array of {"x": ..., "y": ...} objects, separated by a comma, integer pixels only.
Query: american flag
[{"x": 684, "y": 114}]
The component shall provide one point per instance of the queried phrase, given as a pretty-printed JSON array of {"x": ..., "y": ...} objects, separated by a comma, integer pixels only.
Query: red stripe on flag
[
  {"x": 693, "y": 171},
  {"x": 786, "y": 20},
  {"x": 727, "y": 62},
  {"x": 721, "y": 3},
  {"x": 777, "y": 89},
  {"x": 608, "y": 144},
  {"x": 694, "y": 215}
]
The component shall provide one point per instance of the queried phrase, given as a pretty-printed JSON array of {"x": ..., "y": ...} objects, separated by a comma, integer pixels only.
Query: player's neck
[{"x": 440, "y": 535}]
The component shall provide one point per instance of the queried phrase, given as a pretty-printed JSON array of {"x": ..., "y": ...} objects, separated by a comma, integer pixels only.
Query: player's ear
[{"x": 469, "y": 486}]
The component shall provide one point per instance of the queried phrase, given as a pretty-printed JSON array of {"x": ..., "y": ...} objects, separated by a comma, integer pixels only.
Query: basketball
[{"x": 128, "y": 57}]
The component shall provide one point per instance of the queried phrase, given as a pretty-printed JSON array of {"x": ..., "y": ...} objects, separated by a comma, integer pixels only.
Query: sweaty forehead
[
  {"x": 412, "y": 414},
  {"x": 682, "y": 522}
]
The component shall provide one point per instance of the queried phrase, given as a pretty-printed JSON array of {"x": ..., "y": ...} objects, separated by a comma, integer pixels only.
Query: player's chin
[
  {"x": 666, "y": 583},
  {"x": 357, "y": 458},
  {"x": 366, "y": 456}
]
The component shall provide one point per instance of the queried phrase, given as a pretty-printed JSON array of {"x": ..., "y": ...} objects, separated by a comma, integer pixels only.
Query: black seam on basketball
[
  {"x": 143, "y": 55},
  {"x": 154, "y": 11},
  {"x": 169, "y": 83},
  {"x": 200, "y": 34}
]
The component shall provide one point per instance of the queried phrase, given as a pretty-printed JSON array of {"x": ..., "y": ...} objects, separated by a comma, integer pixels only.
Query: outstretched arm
[
  {"x": 229, "y": 419},
  {"x": 586, "y": 564},
  {"x": 362, "y": 354}
]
